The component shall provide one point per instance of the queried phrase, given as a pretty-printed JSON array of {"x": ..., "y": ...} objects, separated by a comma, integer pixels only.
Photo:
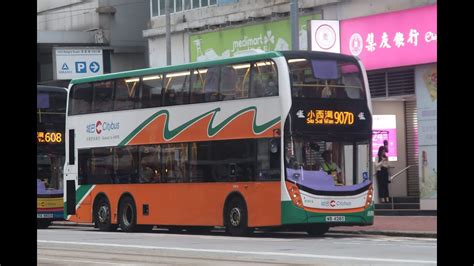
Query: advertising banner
[
  {"x": 268, "y": 36},
  {"x": 402, "y": 38},
  {"x": 384, "y": 127},
  {"x": 426, "y": 83}
]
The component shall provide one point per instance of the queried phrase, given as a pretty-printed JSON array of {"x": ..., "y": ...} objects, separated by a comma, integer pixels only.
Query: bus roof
[
  {"x": 321, "y": 55},
  {"x": 181, "y": 67},
  {"x": 44, "y": 88}
]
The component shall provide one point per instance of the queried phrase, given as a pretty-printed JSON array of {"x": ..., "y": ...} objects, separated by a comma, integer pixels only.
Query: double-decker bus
[
  {"x": 51, "y": 118},
  {"x": 235, "y": 142}
]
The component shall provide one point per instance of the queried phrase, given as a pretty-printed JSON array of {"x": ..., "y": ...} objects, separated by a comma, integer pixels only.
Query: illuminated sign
[
  {"x": 49, "y": 137},
  {"x": 324, "y": 116},
  {"x": 384, "y": 128},
  {"x": 329, "y": 117}
]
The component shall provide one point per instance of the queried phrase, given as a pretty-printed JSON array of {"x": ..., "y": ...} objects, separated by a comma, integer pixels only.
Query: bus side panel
[
  {"x": 239, "y": 128},
  {"x": 264, "y": 204},
  {"x": 84, "y": 210},
  {"x": 193, "y": 204}
]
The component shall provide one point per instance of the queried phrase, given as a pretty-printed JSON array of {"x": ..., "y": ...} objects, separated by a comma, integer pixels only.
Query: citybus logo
[
  {"x": 100, "y": 126},
  {"x": 334, "y": 203},
  {"x": 97, "y": 127}
]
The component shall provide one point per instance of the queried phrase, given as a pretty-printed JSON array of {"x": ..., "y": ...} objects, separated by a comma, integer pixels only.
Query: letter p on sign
[{"x": 81, "y": 67}]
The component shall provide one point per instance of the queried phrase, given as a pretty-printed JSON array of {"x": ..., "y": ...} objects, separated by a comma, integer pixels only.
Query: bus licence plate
[
  {"x": 44, "y": 215},
  {"x": 335, "y": 218}
]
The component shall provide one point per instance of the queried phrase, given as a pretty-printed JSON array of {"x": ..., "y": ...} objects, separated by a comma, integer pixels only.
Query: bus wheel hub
[
  {"x": 103, "y": 213},
  {"x": 235, "y": 216}
]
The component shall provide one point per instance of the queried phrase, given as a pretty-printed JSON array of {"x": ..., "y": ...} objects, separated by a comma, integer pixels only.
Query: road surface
[{"x": 85, "y": 245}]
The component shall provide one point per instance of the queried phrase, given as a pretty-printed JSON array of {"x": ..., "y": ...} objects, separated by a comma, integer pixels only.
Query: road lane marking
[
  {"x": 241, "y": 252},
  {"x": 167, "y": 234},
  {"x": 385, "y": 244},
  {"x": 83, "y": 261}
]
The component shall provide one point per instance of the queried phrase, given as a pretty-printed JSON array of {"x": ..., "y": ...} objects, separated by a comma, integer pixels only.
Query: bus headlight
[
  {"x": 294, "y": 194},
  {"x": 370, "y": 195}
]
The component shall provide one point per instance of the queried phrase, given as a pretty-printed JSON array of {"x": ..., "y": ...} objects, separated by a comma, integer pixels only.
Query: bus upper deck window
[
  {"x": 325, "y": 69},
  {"x": 81, "y": 99}
]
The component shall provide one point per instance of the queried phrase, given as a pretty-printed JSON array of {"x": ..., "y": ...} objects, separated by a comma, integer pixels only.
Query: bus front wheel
[
  {"x": 102, "y": 215},
  {"x": 42, "y": 224},
  {"x": 317, "y": 229},
  {"x": 236, "y": 218}
]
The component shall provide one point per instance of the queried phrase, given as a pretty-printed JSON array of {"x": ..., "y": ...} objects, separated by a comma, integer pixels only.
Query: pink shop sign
[{"x": 402, "y": 38}]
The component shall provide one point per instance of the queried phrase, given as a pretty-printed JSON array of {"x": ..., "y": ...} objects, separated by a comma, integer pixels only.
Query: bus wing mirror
[{"x": 274, "y": 145}]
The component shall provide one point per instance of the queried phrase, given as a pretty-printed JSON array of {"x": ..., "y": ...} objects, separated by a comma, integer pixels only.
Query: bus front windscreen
[
  {"x": 49, "y": 162},
  {"x": 320, "y": 164},
  {"x": 325, "y": 78},
  {"x": 50, "y": 122}
]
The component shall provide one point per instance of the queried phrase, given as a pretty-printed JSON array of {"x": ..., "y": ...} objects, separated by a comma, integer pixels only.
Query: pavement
[{"x": 408, "y": 226}]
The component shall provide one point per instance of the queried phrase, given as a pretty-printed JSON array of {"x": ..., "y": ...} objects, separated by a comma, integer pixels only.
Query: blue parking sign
[{"x": 81, "y": 67}]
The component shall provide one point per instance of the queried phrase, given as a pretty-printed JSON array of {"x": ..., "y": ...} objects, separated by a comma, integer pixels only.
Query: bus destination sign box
[{"x": 340, "y": 117}]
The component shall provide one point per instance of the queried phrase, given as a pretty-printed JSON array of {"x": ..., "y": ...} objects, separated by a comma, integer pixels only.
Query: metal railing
[
  {"x": 398, "y": 173},
  {"x": 390, "y": 180}
]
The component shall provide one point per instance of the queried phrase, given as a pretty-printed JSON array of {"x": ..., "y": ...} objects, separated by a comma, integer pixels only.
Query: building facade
[
  {"x": 403, "y": 89},
  {"x": 110, "y": 28}
]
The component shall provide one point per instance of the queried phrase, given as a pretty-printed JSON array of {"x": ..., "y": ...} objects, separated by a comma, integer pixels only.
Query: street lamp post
[
  {"x": 294, "y": 25},
  {"x": 168, "y": 33}
]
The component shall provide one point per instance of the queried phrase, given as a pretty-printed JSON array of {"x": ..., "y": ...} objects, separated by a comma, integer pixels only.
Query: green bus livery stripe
[
  {"x": 211, "y": 131},
  {"x": 256, "y": 128},
  {"x": 81, "y": 192},
  {"x": 167, "y": 133},
  {"x": 182, "y": 67},
  {"x": 292, "y": 214}
]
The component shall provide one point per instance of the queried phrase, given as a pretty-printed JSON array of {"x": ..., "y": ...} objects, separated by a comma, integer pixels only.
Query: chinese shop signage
[{"x": 402, "y": 38}]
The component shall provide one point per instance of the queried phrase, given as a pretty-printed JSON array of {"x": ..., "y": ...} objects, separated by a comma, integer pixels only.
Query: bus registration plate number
[
  {"x": 335, "y": 218},
  {"x": 44, "y": 215}
]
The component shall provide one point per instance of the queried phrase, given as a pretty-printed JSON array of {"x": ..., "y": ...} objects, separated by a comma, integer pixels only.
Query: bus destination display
[
  {"x": 329, "y": 117},
  {"x": 49, "y": 137}
]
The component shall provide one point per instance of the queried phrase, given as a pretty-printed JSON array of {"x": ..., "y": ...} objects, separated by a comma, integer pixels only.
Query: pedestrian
[
  {"x": 385, "y": 144},
  {"x": 381, "y": 168}
]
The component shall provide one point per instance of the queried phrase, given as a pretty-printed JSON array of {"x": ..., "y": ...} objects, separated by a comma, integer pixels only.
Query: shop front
[{"x": 399, "y": 51}]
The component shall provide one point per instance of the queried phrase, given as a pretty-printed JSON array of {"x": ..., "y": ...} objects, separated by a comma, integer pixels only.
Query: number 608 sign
[{"x": 49, "y": 137}]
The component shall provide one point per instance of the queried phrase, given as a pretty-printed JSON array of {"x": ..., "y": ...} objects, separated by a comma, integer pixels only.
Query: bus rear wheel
[
  {"x": 317, "y": 229},
  {"x": 102, "y": 215},
  {"x": 127, "y": 216},
  {"x": 236, "y": 218}
]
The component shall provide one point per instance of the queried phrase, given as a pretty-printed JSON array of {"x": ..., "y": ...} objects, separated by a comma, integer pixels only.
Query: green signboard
[{"x": 275, "y": 35}]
